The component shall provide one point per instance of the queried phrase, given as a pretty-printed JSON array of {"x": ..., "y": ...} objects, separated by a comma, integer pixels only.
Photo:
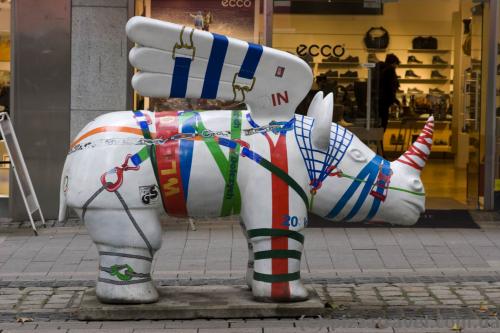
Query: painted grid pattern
[{"x": 319, "y": 163}]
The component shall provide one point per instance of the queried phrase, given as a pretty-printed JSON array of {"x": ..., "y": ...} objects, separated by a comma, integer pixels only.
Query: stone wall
[{"x": 99, "y": 60}]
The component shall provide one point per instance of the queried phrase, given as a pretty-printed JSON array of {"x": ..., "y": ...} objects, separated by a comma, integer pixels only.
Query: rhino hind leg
[
  {"x": 275, "y": 256},
  {"x": 126, "y": 242}
]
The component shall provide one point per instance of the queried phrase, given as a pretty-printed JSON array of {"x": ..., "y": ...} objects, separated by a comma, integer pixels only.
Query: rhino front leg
[
  {"x": 277, "y": 248},
  {"x": 126, "y": 241}
]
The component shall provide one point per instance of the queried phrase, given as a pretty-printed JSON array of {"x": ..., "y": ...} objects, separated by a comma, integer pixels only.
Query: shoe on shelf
[
  {"x": 414, "y": 90},
  {"x": 399, "y": 91},
  {"x": 436, "y": 91},
  {"x": 342, "y": 122},
  {"x": 350, "y": 58},
  {"x": 436, "y": 75},
  {"x": 411, "y": 74},
  {"x": 437, "y": 60},
  {"x": 331, "y": 73},
  {"x": 331, "y": 59},
  {"x": 413, "y": 60},
  {"x": 352, "y": 74},
  {"x": 372, "y": 57},
  {"x": 307, "y": 58}
]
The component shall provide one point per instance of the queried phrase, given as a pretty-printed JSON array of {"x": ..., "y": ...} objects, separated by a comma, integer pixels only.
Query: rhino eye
[
  {"x": 357, "y": 155},
  {"x": 416, "y": 184}
]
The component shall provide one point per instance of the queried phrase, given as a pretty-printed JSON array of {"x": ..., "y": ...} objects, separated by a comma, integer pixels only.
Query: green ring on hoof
[
  {"x": 271, "y": 278},
  {"x": 127, "y": 275}
]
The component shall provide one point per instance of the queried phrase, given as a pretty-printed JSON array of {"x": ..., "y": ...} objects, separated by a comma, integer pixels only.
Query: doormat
[{"x": 432, "y": 218}]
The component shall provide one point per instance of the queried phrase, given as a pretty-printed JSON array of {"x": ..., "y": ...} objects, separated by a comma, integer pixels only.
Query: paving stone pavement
[{"x": 217, "y": 250}]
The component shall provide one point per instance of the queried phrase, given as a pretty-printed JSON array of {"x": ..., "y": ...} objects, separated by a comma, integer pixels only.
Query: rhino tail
[{"x": 62, "y": 195}]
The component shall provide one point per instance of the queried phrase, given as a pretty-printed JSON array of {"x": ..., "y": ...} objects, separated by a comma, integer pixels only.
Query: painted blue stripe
[
  {"x": 180, "y": 77},
  {"x": 136, "y": 159},
  {"x": 250, "y": 154},
  {"x": 370, "y": 170},
  {"x": 214, "y": 66},
  {"x": 227, "y": 143},
  {"x": 372, "y": 175},
  {"x": 386, "y": 171},
  {"x": 251, "y": 61},
  {"x": 186, "y": 153}
]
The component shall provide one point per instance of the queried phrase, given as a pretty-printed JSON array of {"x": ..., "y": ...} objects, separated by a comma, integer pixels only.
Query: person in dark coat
[{"x": 388, "y": 86}]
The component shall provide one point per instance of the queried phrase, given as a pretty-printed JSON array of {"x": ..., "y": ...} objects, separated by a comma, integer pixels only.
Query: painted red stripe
[
  {"x": 280, "y": 209},
  {"x": 168, "y": 164}
]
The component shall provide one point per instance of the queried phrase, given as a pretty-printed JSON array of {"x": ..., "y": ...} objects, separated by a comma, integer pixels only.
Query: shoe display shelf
[
  {"x": 401, "y": 133},
  {"x": 425, "y": 81},
  {"x": 338, "y": 64},
  {"x": 428, "y": 51},
  {"x": 438, "y": 66}
]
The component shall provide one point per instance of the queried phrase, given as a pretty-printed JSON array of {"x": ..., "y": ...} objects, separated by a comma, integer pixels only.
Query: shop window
[{"x": 5, "y": 12}]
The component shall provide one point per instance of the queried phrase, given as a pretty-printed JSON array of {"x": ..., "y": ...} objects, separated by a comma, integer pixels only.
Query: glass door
[{"x": 472, "y": 74}]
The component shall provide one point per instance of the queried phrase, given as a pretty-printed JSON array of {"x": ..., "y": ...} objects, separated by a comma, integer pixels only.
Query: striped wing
[{"x": 177, "y": 61}]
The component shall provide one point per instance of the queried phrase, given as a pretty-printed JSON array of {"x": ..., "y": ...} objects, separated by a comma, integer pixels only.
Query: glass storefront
[
  {"x": 5, "y": 14},
  {"x": 442, "y": 72}
]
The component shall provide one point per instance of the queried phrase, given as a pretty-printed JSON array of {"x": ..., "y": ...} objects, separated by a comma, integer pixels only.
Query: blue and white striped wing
[{"x": 177, "y": 61}]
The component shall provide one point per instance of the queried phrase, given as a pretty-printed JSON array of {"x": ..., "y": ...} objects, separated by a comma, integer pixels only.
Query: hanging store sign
[{"x": 226, "y": 17}]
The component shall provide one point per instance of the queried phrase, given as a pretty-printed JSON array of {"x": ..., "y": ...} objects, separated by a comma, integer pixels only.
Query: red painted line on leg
[{"x": 280, "y": 208}]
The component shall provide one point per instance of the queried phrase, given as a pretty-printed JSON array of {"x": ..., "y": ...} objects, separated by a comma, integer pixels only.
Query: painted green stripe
[
  {"x": 390, "y": 187},
  {"x": 276, "y": 233},
  {"x": 232, "y": 203},
  {"x": 220, "y": 159},
  {"x": 143, "y": 153},
  {"x": 277, "y": 254},
  {"x": 271, "y": 278},
  {"x": 286, "y": 178}
]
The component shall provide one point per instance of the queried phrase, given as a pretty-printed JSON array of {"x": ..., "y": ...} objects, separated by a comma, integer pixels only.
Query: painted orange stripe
[{"x": 97, "y": 130}]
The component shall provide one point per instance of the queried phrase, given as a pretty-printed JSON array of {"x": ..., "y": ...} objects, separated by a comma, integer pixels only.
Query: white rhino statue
[{"x": 266, "y": 164}]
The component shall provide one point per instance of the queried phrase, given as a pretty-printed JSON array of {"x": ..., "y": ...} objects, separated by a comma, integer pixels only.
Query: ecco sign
[
  {"x": 236, "y": 3},
  {"x": 325, "y": 50}
]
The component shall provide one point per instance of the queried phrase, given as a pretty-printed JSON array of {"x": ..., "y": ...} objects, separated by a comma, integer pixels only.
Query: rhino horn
[
  {"x": 322, "y": 124},
  {"x": 316, "y": 105},
  {"x": 418, "y": 153}
]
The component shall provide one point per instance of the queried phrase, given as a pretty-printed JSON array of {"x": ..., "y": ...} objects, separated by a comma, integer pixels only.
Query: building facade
[{"x": 68, "y": 64}]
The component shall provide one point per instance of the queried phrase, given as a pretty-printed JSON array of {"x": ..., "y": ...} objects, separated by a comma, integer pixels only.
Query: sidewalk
[
  {"x": 218, "y": 250},
  {"x": 398, "y": 279}
]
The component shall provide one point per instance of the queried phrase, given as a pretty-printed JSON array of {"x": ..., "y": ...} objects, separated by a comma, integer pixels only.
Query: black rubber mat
[{"x": 454, "y": 218}]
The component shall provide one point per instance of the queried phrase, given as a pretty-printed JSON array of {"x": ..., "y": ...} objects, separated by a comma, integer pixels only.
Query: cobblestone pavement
[{"x": 433, "y": 301}]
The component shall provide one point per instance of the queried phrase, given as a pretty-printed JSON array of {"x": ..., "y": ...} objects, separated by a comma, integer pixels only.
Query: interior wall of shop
[
  {"x": 100, "y": 74},
  {"x": 404, "y": 20},
  {"x": 40, "y": 100},
  {"x": 4, "y": 20}
]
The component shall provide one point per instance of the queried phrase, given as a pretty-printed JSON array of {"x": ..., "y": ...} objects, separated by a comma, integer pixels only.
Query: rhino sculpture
[{"x": 266, "y": 164}]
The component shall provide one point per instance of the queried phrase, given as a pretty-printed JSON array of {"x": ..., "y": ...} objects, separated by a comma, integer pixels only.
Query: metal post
[
  {"x": 490, "y": 135},
  {"x": 268, "y": 22}
]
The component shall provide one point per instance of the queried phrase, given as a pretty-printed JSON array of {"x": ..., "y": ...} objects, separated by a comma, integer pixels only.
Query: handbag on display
[
  {"x": 425, "y": 43},
  {"x": 377, "y": 38}
]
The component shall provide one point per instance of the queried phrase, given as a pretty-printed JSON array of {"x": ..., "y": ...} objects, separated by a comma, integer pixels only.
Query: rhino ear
[
  {"x": 315, "y": 107},
  {"x": 322, "y": 124}
]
